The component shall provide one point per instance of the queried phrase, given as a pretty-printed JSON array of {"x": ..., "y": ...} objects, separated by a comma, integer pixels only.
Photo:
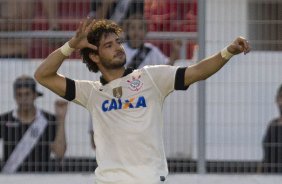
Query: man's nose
[{"x": 119, "y": 47}]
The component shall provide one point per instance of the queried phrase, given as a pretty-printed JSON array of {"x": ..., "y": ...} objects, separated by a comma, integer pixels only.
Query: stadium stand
[{"x": 71, "y": 12}]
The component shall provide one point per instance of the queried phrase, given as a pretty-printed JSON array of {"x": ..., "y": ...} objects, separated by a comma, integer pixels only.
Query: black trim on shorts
[
  {"x": 70, "y": 90},
  {"x": 179, "y": 83}
]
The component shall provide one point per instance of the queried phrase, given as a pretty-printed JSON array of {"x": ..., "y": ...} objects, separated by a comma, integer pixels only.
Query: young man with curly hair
[{"x": 126, "y": 103}]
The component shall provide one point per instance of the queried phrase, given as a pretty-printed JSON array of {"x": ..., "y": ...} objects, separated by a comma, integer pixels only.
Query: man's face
[
  {"x": 25, "y": 97},
  {"x": 111, "y": 52},
  {"x": 279, "y": 102},
  {"x": 136, "y": 33}
]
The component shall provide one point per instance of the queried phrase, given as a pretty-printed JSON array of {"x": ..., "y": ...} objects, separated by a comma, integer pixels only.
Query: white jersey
[
  {"x": 154, "y": 57},
  {"x": 128, "y": 124}
]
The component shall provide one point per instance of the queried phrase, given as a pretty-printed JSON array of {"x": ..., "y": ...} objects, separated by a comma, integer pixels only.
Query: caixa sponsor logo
[{"x": 116, "y": 104}]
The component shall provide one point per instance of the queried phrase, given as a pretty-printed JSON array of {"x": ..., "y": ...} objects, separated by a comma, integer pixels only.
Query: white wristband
[
  {"x": 226, "y": 54},
  {"x": 66, "y": 49}
]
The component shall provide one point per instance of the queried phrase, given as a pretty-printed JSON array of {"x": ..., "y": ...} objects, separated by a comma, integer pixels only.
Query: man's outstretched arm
[
  {"x": 211, "y": 65},
  {"x": 46, "y": 74}
]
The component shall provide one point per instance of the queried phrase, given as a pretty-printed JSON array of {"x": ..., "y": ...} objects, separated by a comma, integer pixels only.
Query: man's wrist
[
  {"x": 226, "y": 54},
  {"x": 66, "y": 50}
]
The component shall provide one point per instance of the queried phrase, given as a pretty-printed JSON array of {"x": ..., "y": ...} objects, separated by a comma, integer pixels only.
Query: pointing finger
[{"x": 92, "y": 46}]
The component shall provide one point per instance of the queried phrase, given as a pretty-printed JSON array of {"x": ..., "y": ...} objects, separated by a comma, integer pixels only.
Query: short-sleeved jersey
[
  {"x": 128, "y": 125},
  {"x": 11, "y": 132},
  {"x": 154, "y": 57}
]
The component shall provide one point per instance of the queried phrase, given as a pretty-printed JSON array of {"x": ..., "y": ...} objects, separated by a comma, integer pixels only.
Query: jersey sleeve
[
  {"x": 167, "y": 78},
  {"x": 163, "y": 77},
  {"x": 83, "y": 90},
  {"x": 78, "y": 91}
]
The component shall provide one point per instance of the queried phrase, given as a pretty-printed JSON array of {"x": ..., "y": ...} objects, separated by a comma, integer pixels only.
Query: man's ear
[{"x": 94, "y": 57}]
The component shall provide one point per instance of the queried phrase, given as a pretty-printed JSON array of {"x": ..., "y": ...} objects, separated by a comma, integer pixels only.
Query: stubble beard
[{"x": 113, "y": 64}]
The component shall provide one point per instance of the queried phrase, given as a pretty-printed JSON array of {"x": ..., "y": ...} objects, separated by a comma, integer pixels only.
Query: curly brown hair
[{"x": 100, "y": 28}]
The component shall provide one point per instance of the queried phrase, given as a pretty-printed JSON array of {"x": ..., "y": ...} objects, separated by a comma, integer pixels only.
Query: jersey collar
[{"x": 126, "y": 72}]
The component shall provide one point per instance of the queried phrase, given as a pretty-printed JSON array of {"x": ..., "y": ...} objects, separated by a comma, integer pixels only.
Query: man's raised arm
[
  {"x": 211, "y": 65},
  {"x": 46, "y": 74}
]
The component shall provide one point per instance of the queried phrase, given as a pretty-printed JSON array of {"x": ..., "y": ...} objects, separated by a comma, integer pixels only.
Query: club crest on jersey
[
  {"x": 117, "y": 92},
  {"x": 116, "y": 104},
  {"x": 135, "y": 84}
]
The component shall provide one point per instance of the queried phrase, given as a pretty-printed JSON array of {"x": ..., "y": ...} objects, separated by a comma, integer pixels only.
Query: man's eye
[{"x": 120, "y": 41}]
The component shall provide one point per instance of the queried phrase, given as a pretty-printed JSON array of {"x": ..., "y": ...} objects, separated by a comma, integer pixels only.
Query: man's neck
[
  {"x": 110, "y": 75},
  {"x": 25, "y": 115}
]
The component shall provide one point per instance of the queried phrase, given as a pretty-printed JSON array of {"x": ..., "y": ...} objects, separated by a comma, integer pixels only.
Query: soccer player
[{"x": 127, "y": 104}]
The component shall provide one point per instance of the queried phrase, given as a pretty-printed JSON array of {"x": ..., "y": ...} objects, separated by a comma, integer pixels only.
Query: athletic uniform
[
  {"x": 128, "y": 122},
  {"x": 37, "y": 156}
]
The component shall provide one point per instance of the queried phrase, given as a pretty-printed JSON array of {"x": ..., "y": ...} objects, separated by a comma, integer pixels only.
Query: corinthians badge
[
  {"x": 117, "y": 92},
  {"x": 135, "y": 84}
]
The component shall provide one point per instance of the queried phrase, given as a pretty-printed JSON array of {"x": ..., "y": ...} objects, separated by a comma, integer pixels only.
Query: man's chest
[
  {"x": 132, "y": 92},
  {"x": 12, "y": 131}
]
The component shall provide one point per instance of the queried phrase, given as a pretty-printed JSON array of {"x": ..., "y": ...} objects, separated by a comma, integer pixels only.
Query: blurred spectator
[
  {"x": 272, "y": 142},
  {"x": 30, "y": 134},
  {"x": 17, "y": 15},
  {"x": 138, "y": 52},
  {"x": 171, "y": 15},
  {"x": 116, "y": 10},
  {"x": 50, "y": 8}
]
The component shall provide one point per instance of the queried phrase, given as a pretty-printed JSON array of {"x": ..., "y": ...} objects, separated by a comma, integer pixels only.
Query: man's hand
[
  {"x": 59, "y": 145},
  {"x": 175, "y": 53},
  {"x": 238, "y": 46},
  {"x": 176, "y": 46},
  {"x": 61, "y": 107},
  {"x": 79, "y": 41}
]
